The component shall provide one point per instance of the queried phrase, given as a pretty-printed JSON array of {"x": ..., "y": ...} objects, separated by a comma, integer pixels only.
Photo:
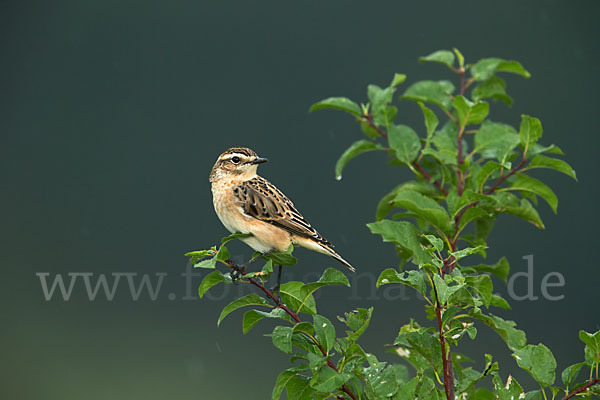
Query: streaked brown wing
[{"x": 262, "y": 200}]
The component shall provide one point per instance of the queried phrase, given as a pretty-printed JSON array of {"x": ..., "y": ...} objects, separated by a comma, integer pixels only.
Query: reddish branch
[
  {"x": 505, "y": 177},
  {"x": 581, "y": 389},
  {"x": 426, "y": 176},
  {"x": 279, "y": 304},
  {"x": 446, "y": 357},
  {"x": 369, "y": 119},
  {"x": 487, "y": 192}
]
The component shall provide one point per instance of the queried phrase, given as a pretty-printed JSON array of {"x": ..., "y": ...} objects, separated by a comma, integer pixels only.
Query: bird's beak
[{"x": 259, "y": 160}]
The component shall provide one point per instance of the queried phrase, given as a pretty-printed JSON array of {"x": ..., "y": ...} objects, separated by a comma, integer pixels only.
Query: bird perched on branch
[{"x": 248, "y": 203}]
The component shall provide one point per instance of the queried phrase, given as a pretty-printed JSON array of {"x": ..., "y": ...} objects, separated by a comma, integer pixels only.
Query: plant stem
[
  {"x": 446, "y": 356},
  {"x": 344, "y": 388},
  {"x": 369, "y": 120},
  {"x": 426, "y": 176},
  {"x": 463, "y": 87},
  {"x": 487, "y": 192},
  {"x": 581, "y": 389},
  {"x": 504, "y": 177}
]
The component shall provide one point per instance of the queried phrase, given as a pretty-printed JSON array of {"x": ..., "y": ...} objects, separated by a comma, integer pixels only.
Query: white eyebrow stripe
[{"x": 230, "y": 156}]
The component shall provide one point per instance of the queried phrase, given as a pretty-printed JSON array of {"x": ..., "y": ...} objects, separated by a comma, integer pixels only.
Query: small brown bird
[{"x": 248, "y": 203}]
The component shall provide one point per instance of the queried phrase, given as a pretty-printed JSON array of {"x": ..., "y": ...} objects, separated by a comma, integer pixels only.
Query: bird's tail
[
  {"x": 340, "y": 259},
  {"x": 322, "y": 248}
]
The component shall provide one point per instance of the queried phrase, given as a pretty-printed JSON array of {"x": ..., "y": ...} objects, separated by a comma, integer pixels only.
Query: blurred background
[{"x": 113, "y": 113}]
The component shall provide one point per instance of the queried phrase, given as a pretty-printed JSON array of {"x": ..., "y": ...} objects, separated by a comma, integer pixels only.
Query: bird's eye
[{"x": 235, "y": 160}]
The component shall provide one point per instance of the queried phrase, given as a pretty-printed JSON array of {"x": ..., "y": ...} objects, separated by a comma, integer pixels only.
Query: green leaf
[
  {"x": 446, "y": 142},
  {"x": 511, "y": 390},
  {"x": 282, "y": 381},
  {"x": 431, "y": 121},
  {"x": 494, "y": 88},
  {"x": 379, "y": 96},
  {"x": 514, "y": 67},
  {"x": 540, "y": 161},
  {"x": 331, "y": 276},
  {"x": 210, "y": 263},
  {"x": 468, "y": 197},
  {"x": 196, "y": 256},
  {"x": 337, "y": 103},
  {"x": 470, "y": 215},
  {"x": 405, "y": 142},
  {"x": 327, "y": 380},
  {"x": 570, "y": 374},
  {"x": 251, "y": 317},
  {"x": 538, "y": 149},
  {"x": 382, "y": 381},
  {"x": 298, "y": 388},
  {"x": 485, "y": 68},
  {"x": 267, "y": 269},
  {"x": 403, "y": 234},
  {"x": 412, "y": 278},
  {"x": 530, "y": 131},
  {"x": 538, "y": 361},
  {"x": 295, "y": 297},
  {"x": 248, "y": 300},
  {"x": 466, "y": 252},
  {"x": 500, "y": 269},
  {"x": 441, "y": 56},
  {"x": 233, "y": 236},
  {"x": 592, "y": 347},
  {"x": 357, "y": 148},
  {"x": 461, "y": 58},
  {"x": 528, "y": 184},
  {"x": 407, "y": 390},
  {"x": 282, "y": 338},
  {"x": 325, "y": 332},
  {"x": 435, "y": 241},
  {"x": 468, "y": 112},
  {"x": 398, "y": 79},
  {"x": 427, "y": 390},
  {"x": 431, "y": 92},
  {"x": 280, "y": 257},
  {"x": 498, "y": 301},
  {"x": 358, "y": 322},
  {"x": 386, "y": 203},
  {"x": 496, "y": 140},
  {"x": 485, "y": 172},
  {"x": 425, "y": 207},
  {"x": 222, "y": 254},
  {"x": 514, "y": 338},
  {"x": 509, "y": 203},
  {"x": 209, "y": 281},
  {"x": 444, "y": 290},
  {"x": 482, "y": 284}
]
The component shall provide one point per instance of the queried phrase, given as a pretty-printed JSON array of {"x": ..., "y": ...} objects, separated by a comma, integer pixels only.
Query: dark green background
[{"x": 113, "y": 113}]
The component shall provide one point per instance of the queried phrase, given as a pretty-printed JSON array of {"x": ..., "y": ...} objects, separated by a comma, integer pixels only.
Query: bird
[{"x": 248, "y": 203}]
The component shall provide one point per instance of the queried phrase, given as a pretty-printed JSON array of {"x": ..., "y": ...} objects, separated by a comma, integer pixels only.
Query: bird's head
[{"x": 237, "y": 162}]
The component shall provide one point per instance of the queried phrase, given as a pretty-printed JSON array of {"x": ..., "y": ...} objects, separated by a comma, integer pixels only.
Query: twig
[
  {"x": 369, "y": 119},
  {"x": 344, "y": 388},
  {"x": 473, "y": 204},
  {"x": 505, "y": 177},
  {"x": 446, "y": 356},
  {"x": 426, "y": 176},
  {"x": 581, "y": 389},
  {"x": 463, "y": 87}
]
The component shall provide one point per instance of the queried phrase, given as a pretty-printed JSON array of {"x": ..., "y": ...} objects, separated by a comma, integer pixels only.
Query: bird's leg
[{"x": 278, "y": 284}]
